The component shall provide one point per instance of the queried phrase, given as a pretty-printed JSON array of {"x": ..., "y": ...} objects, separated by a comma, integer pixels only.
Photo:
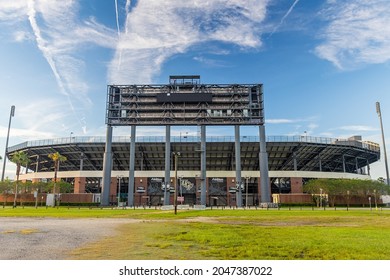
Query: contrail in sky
[
  {"x": 42, "y": 46},
  {"x": 47, "y": 53},
  {"x": 119, "y": 32},
  {"x": 117, "y": 17},
  {"x": 128, "y": 4},
  {"x": 284, "y": 17}
]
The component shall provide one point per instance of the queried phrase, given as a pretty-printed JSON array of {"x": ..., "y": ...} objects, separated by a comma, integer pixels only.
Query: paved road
[{"x": 50, "y": 238}]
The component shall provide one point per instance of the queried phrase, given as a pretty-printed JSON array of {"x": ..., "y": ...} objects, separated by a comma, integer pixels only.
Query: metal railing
[{"x": 193, "y": 139}]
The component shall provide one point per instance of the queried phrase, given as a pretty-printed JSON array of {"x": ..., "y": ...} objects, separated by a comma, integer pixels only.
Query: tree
[
  {"x": 19, "y": 158},
  {"x": 56, "y": 158},
  {"x": 346, "y": 188},
  {"x": 62, "y": 186},
  {"x": 6, "y": 188}
]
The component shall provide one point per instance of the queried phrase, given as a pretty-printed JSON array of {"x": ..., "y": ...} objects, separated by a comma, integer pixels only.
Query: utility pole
[
  {"x": 378, "y": 110},
  {"x": 12, "y": 113}
]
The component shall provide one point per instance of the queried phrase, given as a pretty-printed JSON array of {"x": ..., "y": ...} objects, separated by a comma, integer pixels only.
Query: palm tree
[
  {"x": 57, "y": 158},
  {"x": 19, "y": 158}
]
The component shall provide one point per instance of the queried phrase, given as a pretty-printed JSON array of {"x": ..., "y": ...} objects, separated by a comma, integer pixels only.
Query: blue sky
[{"x": 323, "y": 64}]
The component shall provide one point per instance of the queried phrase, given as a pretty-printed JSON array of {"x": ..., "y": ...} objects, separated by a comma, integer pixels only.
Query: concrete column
[
  {"x": 357, "y": 165},
  {"x": 37, "y": 165},
  {"x": 238, "y": 164},
  {"x": 198, "y": 183},
  {"x": 344, "y": 164},
  {"x": 259, "y": 189},
  {"x": 113, "y": 189},
  {"x": 79, "y": 184},
  {"x": 203, "y": 164},
  {"x": 320, "y": 163},
  {"x": 130, "y": 197},
  {"x": 295, "y": 161},
  {"x": 81, "y": 161},
  {"x": 167, "y": 178},
  {"x": 368, "y": 168},
  {"x": 107, "y": 165},
  {"x": 263, "y": 161},
  {"x": 138, "y": 196},
  {"x": 296, "y": 185},
  {"x": 231, "y": 197}
]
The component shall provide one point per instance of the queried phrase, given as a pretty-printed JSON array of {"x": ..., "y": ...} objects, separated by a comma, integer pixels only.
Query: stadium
[{"x": 194, "y": 170}]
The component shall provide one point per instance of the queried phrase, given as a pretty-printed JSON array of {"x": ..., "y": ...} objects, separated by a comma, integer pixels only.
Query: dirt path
[{"x": 50, "y": 238}]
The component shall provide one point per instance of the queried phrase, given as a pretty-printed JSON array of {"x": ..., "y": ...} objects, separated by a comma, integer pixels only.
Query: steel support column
[
  {"x": 320, "y": 163},
  {"x": 265, "y": 190},
  {"x": 37, "y": 165},
  {"x": 203, "y": 164},
  {"x": 81, "y": 161},
  {"x": 344, "y": 169},
  {"x": 295, "y": 161},
  {"x": 107, "y": 165},
  {"x": 167, "y": 179},
  {"x": 130, "y": 196},
  {"x": 357, "y": 165},
  {"x": 238, "y": 164}
]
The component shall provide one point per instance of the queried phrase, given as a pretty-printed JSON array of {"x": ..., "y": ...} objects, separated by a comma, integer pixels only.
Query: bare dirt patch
[{"x": 50, "y": 238}]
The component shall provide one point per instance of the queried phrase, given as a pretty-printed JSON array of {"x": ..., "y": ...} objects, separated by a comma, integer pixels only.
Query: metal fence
[{"x": 193, "y": 139}]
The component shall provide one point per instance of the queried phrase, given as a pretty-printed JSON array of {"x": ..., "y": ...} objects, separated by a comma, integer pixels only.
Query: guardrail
[{"x": 191, "y": 139}]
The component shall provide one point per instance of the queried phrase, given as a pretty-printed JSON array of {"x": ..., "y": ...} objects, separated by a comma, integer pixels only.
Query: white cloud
[
  {"x": 26, "y": 134},
  {"x": 312, "y": 126},
  {"x": 357, "y": 33},
  {"x": 326, "y": 134},
  {"x": 358, "y": 128},
  {"x": 41, "y": 119},
  {"x": 60, "y": 36},
  {"x": 210, "y": 62},
  {"x": 280, "y": 121},
  {"x": 156, "y": 30},
  {"x": 21, "y": 36},
  {"x": 12, "y": 10}
]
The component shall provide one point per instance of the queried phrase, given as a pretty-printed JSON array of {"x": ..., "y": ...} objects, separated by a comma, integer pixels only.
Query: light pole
[
  {"x": 320, "y": 198},
  {"x": 181, "y": 189},
  {"x": 369, "y": 201},
  {"x": 119, "y": 189},
  {"x": 378, "y": 111},
  {"x": 246, "y": 192},
  {"x": 177, "y": 155},
  {"x": 70, "y": 137},
  {"x": 36, "y": 198},
  {"x": 12, "y": 113}
]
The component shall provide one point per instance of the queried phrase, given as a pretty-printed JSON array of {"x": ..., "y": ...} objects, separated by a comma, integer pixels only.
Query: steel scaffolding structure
[{"x": 185, "y": 101}]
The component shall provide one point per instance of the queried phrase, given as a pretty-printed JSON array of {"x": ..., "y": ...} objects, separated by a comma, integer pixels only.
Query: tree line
[
  {"x": 346, "y": 188},
  {"x": 21, "y": 158}
]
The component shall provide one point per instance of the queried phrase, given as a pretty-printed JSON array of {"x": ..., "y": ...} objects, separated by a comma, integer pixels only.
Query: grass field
[{"x": 234, "y": 234}]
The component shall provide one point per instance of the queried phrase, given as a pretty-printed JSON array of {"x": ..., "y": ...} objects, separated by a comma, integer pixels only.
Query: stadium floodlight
[
  {"x": 378, "y": 111},
  {"x": 12, "y": 113}
]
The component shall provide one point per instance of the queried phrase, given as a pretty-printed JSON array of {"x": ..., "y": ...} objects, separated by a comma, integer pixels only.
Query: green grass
[{"x": 234, "y": 234}]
